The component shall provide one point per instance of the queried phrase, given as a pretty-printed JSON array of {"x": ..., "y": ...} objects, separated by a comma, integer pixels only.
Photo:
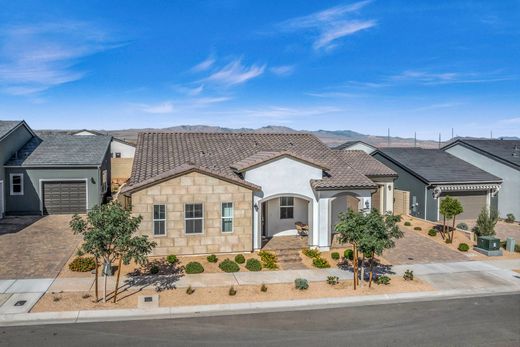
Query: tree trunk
[
  {"x": 105, "y": 281},
  {"x": 453, "y": 230},
  {"x": 96, "y": 280},
  {"x": 443, "y": 226},
  {"x": 354, "y": 263},
  {"x": 362, "y": 270},
  {"x": 371, "y": 271},
  {"x": 117, "y": 278}
]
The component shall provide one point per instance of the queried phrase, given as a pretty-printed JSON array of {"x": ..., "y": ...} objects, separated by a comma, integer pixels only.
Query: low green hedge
[
  {"x": 311, "y": 253},
  {"x": 334, "y": 255},
  {"x": 240, "y": 259},
  {"x": 320, "y": 263},
  {"x": 349, "y": 254},
  {"x": 432, "y": 232},
  {"x": 172, "y": 259},
  {"x": 301, "y": 284},
  {"x": 229, "y": 266},
  {"x": 194, "y": 267},
  {"x": 212, "y": 258},
  {"x": 82, "y": 264},
  {"x": 463, "y": 247},
  {"x": 407, "y": 224},
  {"x": 253, "y": 265}
]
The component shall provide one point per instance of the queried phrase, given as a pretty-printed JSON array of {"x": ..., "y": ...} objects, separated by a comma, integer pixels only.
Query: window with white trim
[
  {"x": 118, "y": 155},
  {"x": 16, "y": 184},
  {"x": 159, "y": 220},
  {"x": 286, "y": 207},
  {"x": 193, "y": 218},
  {"x": 227, "y": 217}
]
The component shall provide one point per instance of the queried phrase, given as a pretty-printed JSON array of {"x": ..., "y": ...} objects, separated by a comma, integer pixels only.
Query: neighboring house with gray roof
[
  {"x": 498, "y": 157},
  {"x": 51, "y": 174},
  {"x": 431, "y": 174},
  {"x": 227, "y": 192}
]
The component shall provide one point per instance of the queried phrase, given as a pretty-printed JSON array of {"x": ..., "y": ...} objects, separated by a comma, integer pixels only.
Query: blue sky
[{"x": 424, "y": 66}]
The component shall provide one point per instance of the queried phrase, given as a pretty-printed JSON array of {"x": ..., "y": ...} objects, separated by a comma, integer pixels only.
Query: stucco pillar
[
  {"x": 324, "y": 224},
  {"x": 257, "y": 233},
  {"x": 389, "y": 197}
]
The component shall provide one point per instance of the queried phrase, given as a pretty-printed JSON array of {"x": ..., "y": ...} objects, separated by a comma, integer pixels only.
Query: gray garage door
[
  {"x": 473, "y": 202},
  {"x": 60, "y": 197}
]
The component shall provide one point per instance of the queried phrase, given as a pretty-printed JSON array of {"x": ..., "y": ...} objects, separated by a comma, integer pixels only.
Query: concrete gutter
[{"x": 42, "y": 318}]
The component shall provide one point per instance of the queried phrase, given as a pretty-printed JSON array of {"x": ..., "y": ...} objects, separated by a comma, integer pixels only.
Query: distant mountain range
[{"x": 330, "y": 137}]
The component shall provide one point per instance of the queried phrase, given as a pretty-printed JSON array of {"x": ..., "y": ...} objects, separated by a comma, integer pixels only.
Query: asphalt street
[{"x": 480, "y": 321}]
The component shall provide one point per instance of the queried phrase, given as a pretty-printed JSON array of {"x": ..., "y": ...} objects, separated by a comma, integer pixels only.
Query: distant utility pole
[
  {"x": 451, "y": 132},
  {"x": 415, "y": 139},
  {"x": 388, "y": 137},
  {"x": 439, "y": 140},
  {"x": 491, "y": 133}
]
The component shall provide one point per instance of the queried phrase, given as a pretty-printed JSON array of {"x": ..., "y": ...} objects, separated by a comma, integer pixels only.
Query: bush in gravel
[
  {"x": 212, "y": 258},
  {"x": 240, "y": 259},
  {"x": 462, "y": 226},
  {"x": 463, "y": 247},
  {"x": 229, "y": 266},
  {"x": 301, "y": 284},
  {"x": 383, "y": 280},
  {"x": 172, "y": 259},
  {"x": 448, "y": 241},
  {"x": 510, "y": 218},
  {"x": 332, "y": 280},
  {"x": 232, "y": 291},
  {"x": 82, "y": 264},
  {"x": 320, "y": 263},
  {"x": 407, "y": 224},
  {"x": 194, "y": 267},
  {"x": 348, "y": 254},
  {"x": 263, "y": 288},
  {"x": 408, "y": 275},
  {"x": 334, "y": 255},
  {"x": 190, "y": 290},
  {"x": 311, "y": 253},
  {"x": 417, "y": 228},
  {"x": 154, "y": 270},
  {"x": 253, "y": 264},
  {"x": 269, "y": 260},
  {"x": 432, "y": 232}
]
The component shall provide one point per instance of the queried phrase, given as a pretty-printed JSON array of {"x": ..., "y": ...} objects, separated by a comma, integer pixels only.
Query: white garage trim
[
  {"x": 61, "y": 180},
  {"x": 493, "y": 188}
]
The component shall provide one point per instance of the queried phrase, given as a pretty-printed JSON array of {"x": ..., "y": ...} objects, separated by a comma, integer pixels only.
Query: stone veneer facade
[{"x": 195, "y": 187}]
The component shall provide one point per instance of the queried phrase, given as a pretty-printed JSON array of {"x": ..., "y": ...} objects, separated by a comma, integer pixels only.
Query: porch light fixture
[
  {"x": 256, "y": 207},
  {"x": 92, "y": 180},
  {"x": 389, "y": 188}
]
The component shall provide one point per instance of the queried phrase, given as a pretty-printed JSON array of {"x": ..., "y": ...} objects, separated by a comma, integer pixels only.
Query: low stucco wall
[{"x": 197, "y": 188}]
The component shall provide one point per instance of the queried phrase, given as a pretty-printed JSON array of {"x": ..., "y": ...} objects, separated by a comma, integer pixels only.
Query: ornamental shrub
[
  {"x": 263, "y": 288},
  {"x": 463, "y": 247},
  {"x": 212, "y": 258},
  {"x": 172, "y": 259},
  {"x": 301, "y": 284},
  {"x": 334, "y": 255},
  {"x": 383, "y": 280},
  {"x": 462, "y": 226},
  {"x": 229, "y": 266},
  {"x": 253, "y": 264},
  {"x": 417, "y": 228},
  {"x": 349, "y": 254},
  {"x": 232, "y": 291},
  {"x": 320, "y": 263},
  {"x": 510, "y": 218},
  {"x": 407, "y": 224},
  {"x": 332, "y": 280},
  {"x": 82, "y": 264},
  {"x": 448, "y": 240},
  {"x": 194, "y": 267},
  {"x": 432, "y": 232},
  {"x": 240, "y": 259},
  {"x": 190, "y": 290},
  {"x": 269, "y": 260},
  {"x": 311, "y": 253},
  {"x": 408, "y": 275},
  {"x": 154, "y": 270}
]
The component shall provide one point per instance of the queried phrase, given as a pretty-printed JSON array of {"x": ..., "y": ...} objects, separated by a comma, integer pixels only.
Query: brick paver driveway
[
  {"x": 35, "y": 247},
  {"x": 417, "y": 249}
]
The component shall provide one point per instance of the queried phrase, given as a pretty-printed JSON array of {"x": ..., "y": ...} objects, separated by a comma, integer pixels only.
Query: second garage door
[
  {"x": 472, "y": 202},
  {"x": 61, "y": 197}
]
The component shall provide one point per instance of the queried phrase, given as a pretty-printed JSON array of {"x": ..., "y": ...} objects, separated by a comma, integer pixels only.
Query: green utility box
[{"x": 489, "y": 243}]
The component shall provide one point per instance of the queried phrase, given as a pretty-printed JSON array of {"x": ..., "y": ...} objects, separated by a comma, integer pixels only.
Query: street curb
[{"x": 43, "y": 318}]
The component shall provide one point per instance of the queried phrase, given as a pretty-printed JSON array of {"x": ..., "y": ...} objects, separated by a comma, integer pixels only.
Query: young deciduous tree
[
  {"x": 350, "y": 228},
  {"x": 108, "y": 234},
  {"x": 486, "y": 222},
  {"x": 445, "y": 210},
  {"x": 456, "y": 209}
]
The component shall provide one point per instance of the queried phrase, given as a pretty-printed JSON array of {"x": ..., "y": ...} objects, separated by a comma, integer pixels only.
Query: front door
[{"x": 264, "y": 219}]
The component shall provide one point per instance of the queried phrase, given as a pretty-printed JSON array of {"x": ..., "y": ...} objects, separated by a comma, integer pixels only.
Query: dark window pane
[
  {"x": 159, "y": 228},
  {"x": 286, "y": 212},
  {"x": 227, "y": 225},
  {"x": 194, "y": 226},
  {"x": 158, "y": 212}
]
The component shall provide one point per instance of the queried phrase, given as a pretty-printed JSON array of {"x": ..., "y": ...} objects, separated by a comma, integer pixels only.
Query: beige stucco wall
[
  {"x": 197, "y": 188},
  {"x": 121, "y": 169}
]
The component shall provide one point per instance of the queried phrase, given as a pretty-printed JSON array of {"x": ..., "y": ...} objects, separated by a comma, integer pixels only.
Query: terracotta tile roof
[
  {"x": 262, "y": 157},
  {"x": 163, "y": 154},
  {"x": 366, "y": 164}
]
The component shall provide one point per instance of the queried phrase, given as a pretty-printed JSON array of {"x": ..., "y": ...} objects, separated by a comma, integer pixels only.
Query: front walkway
[
  {"x": 35, "y": 247},
  {"x": 286, "y": 242}
]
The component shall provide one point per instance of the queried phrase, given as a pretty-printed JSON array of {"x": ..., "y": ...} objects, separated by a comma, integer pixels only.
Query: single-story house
[
  {"x": 51, "y": 174},
  {"x": 204, "y": 193},
  {"x": 498, "y": 157},
  {"x": 357, "y": 146},
  {"x": 121, "y": 153},
  {"x": 431, "y": 174}
]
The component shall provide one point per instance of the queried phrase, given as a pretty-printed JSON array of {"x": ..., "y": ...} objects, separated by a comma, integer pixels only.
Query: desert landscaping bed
[{"x": 70, "y": 301}]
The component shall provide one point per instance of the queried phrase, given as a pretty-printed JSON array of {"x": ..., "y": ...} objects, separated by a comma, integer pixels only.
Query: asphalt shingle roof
[
  {"x": 6, "y": 126},
  {"x": 64, "y": 150},
  {"x": 160, "y": 152},
  {"x": 507, "y": 150},
  {"x": 437, "y": 166},
  {"x": 365, "y": 163}
]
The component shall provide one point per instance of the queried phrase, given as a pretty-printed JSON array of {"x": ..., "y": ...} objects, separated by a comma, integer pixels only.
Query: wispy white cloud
[
  {"x": 437, "y": 106},
  {"x": 235, "y": 73},
  {"x": 289, "y": 112},
  {"x": 282, "y": 70},
  {"x": 335, "y": 94},
  {"x": 449, "y": 77},
  {"x": 330, "y": 25},
  {"x": 161, "y": 108},
  {"x": 204, "y": 65},
  {"x": 36, "y": 57}
]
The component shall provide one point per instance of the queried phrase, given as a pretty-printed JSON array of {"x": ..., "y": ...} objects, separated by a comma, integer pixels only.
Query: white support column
[
  {"x": 488, "y": 201},
  {"x": 314, "y": 237},
  {"x": 324, "y": 224},
  {"x": 389, "y": 197},
  {"x": 257, "y": 233}
]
